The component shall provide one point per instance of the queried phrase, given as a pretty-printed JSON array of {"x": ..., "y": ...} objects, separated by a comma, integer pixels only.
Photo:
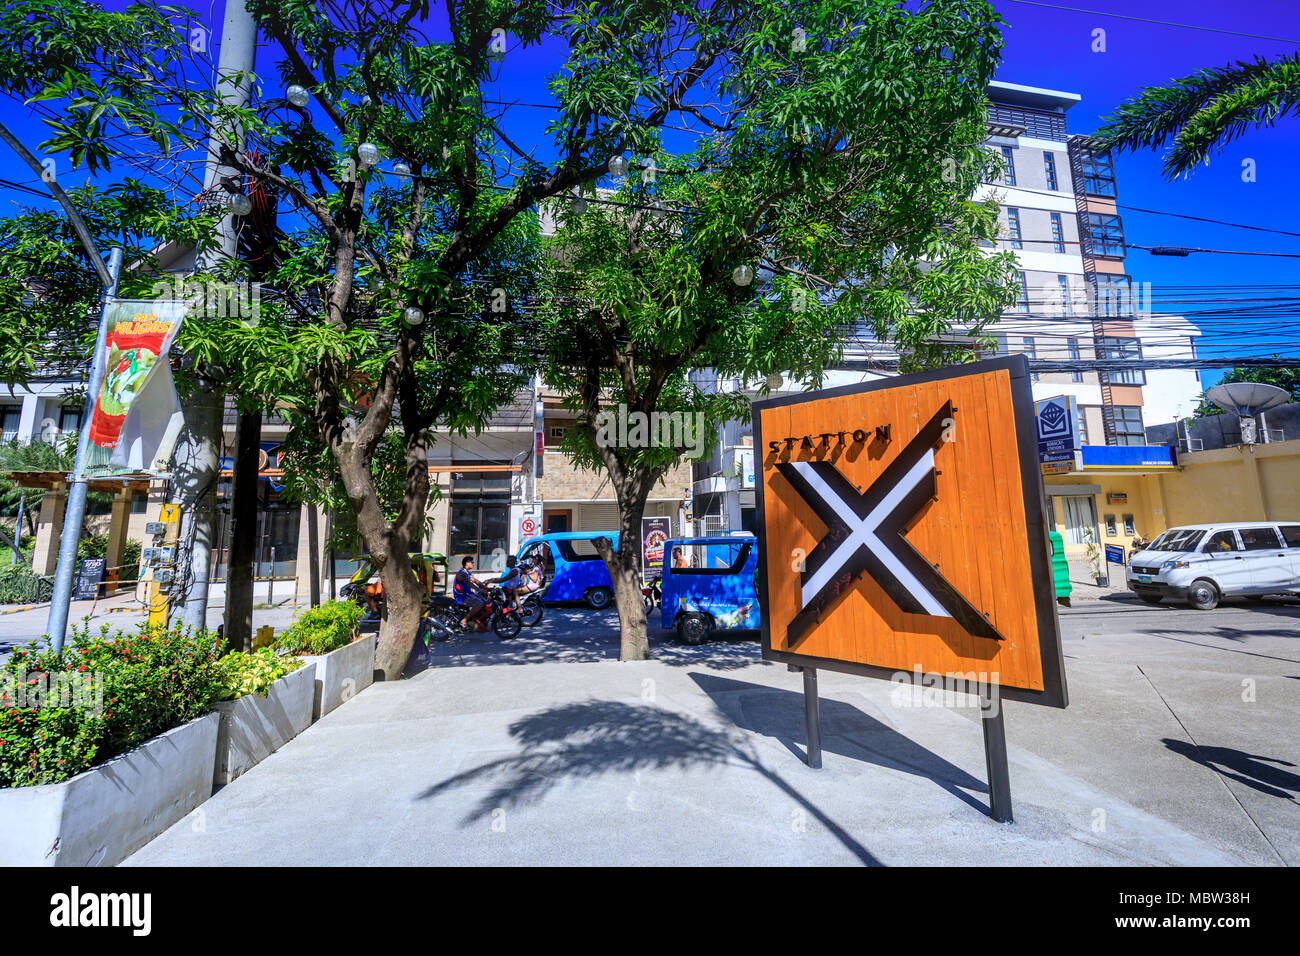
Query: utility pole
[
  {"x": 195, "y": 468},
  {"x": 57, "y": 623}
]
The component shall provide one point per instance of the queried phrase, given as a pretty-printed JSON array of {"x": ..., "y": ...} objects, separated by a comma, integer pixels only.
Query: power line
[
  {"x": 1163, "y": 23},
  {"x": 1217, "y": 222}
]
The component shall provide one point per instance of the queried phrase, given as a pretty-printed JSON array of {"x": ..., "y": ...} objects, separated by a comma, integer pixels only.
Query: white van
[{"x": 1203, "y": 563}]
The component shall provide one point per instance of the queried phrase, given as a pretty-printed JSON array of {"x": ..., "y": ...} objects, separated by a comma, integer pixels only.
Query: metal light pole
[
  {"x": 196, "y": 463},
  {"x": 57, "y": 625}
]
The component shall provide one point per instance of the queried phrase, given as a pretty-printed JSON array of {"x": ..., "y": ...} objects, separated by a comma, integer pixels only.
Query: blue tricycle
[
  {"x": 708, "y": 585},
  {"x": 573, "y": 566}
]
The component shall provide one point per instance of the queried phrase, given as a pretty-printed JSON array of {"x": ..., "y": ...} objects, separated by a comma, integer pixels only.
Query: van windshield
[{"x": 1177, "y": 539}]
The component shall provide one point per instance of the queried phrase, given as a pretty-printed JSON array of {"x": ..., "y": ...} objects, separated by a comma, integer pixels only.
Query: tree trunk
[
  {"x": 404, "y": 604},
  {"x": 243, "y": 533},
  {"x": 624, "y": 566}
]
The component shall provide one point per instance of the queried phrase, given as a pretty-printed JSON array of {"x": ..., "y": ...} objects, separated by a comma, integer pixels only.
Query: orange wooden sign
[{"x": 904, "y": 535}]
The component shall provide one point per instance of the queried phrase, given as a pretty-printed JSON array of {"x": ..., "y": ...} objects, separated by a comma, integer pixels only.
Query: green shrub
[
  {"x": 241, "y": 674},
  {"x": 322, "y": 629},
  {"x": 18, "y": 585},
  {"x": 119, "y": 691}
]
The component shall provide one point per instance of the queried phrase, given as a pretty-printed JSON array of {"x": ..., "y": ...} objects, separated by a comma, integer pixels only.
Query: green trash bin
[{"x": 1060, "y": 570}]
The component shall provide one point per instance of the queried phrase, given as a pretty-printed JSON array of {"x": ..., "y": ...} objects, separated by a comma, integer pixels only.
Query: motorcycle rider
[{"x": 465, "y": 590}]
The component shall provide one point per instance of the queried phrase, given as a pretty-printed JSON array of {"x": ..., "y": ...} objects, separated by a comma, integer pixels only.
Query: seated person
[
  {"x": 511, "y": 578},
  {"x": 374, "y": 598},
  {"x": 531, "y": 579},
  {"x": 465, "y": 590}
]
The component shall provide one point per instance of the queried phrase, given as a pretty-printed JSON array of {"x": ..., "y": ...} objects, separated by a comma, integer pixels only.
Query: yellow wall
[{"x": 1243, "y": 483}]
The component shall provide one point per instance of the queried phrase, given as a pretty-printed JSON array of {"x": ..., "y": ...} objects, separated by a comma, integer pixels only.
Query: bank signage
[
  {"x": 1056, "y": 422},
  {"x": 903, "y": 531},
  {"x": 1132, "y": 457}
]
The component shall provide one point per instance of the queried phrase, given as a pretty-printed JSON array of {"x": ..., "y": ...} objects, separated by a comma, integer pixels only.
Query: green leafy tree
[
  {"x": 1198, "y": 114},
  {"x": 455, "y": 226},
  {"x": 1287, "y": 378},
  {"x": 831, "y": 200},
  {"x": 49, "y": 292}
]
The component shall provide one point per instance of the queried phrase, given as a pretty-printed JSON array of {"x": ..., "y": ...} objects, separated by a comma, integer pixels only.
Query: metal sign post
[
  {"x": 995, "y": 758},
  {"x": 56, "y": 627}
]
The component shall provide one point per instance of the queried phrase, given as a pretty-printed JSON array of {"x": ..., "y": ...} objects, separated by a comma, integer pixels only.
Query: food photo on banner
[{"x": 137, "y": 414}]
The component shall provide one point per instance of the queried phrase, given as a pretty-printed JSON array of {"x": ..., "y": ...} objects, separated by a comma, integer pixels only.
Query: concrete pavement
[{"x": 1178, "y": 748}]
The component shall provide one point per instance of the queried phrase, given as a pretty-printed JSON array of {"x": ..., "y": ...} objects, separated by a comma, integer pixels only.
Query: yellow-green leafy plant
[
  {"x": 241, "y": 674},
  {"x": 322, "y": 629}
]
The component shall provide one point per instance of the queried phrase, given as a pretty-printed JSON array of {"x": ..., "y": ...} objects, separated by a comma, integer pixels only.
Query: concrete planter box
[
  {"x": 342, "y": 674},
  {"x": 102, "y": 816},
  {"x": 254, "y": 726}
]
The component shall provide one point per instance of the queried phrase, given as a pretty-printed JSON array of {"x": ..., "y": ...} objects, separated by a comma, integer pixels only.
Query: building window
[
  {"x": 1114, "y": 295},
  {"x": 479, "y": 518},
  {"x": 1098, "y": 175},
  {"x": 1049, "y": 163},
  {"x": 1122, "y": 349},
  {"x": 1013, "y": 227},
  {"x": 10, "y": 416},
  {"x": 1009, "y": 157},
  {"x": 69, "y": 419},
  {"x": 1079, "y": 522},
  {"x": 1063, "y": 286},
  {"x": 1023, "y": 304},
  {"x": 1083, "y": 426},
  {"x": 1058, "y": 233},
  {"x": 139, "y": 504},
  {"x": 1106, "y": 233},
  {"x": 1072, "y": 346},
  {"x": 1128, "y": 425},
  {"x": 1031, "y": 353}
]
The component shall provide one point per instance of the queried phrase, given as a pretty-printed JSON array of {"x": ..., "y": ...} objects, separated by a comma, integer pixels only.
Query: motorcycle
[
  {"x": 651, "y": 594},
  {"x": 530, "y": 613},
  {"x": 442, "y": 617}
]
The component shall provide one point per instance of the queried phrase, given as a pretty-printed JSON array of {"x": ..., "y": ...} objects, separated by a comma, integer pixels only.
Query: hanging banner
[
  {"x": 136, "y": 417},
  {"x": 655, "y": 531}
]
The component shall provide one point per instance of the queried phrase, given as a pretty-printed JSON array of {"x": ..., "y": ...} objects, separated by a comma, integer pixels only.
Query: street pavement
[
  {"x": 23, "y": 624},
  {"x": 1178, "y": 747}
]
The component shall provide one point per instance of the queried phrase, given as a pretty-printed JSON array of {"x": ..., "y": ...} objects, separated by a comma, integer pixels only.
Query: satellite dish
[{"x": 1247, "y": 399}]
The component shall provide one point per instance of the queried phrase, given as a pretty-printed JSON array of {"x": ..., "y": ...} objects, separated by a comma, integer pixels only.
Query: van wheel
[
  {"x": 598, "y": 598},
  {"x": 1203, "y": 595},
  {"x": 693, "y": 629}
]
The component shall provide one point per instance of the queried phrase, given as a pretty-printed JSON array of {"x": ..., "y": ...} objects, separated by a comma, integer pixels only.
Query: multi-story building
[{"x": 1077, "y": 303}]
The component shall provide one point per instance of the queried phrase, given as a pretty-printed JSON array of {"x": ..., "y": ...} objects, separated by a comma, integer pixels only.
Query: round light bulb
[
  {"x": 579, "y": 206},
  {"x": 495, "y": 54},
  {"x": 470, "y": 101},
  {"x": 401, "y": 169},
  {"x": 366, "y": 101},
  {"x": 240, "y": 204},
  {"x": 618, "y": 165},
  {"x": 774, "y": 381},
  {"x": 368, "y": 153},
  {"x": 413, "y": 315},
  {"x": 298, "y": 95},
  {"x": 742, "y": 275}
]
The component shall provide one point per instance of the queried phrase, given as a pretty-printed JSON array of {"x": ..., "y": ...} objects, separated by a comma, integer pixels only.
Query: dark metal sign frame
[{"x": 1049, "y": 638}]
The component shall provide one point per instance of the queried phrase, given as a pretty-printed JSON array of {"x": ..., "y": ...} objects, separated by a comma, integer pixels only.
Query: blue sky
[{"x": 1053, "y": 47}]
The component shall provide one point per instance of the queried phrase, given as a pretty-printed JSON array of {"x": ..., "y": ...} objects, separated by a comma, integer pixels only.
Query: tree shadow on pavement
[
  {"x": 587, "y": 739},
  {"x": 846, "y": 730},
  {"x": 1264, "y": 774}
]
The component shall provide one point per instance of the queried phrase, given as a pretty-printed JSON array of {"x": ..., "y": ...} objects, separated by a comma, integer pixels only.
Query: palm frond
[{"x": 1210, "y": 107}]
